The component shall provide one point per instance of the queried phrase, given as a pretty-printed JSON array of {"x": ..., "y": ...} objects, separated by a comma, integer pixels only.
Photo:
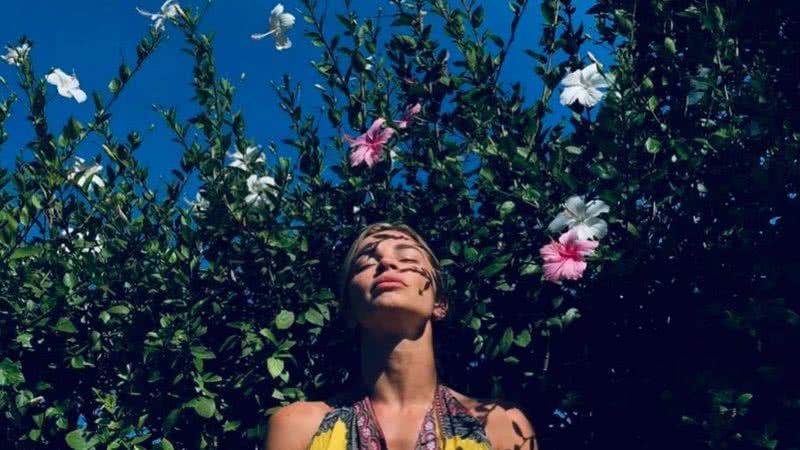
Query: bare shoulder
[
  {"x": 507, "y": 426},
  {"x": 292, "y": 426}
]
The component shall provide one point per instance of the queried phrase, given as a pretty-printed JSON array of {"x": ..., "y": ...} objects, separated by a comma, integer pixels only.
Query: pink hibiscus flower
[
  {"x": 369, "y": 146},
  {"x": 408, "y": 115},
  {"x": 563, "y": 260}
]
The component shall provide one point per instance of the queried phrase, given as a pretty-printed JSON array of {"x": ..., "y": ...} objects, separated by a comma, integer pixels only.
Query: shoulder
[
  {"x": 507, "y": 426},
  {"x": 292, "y": 426}
]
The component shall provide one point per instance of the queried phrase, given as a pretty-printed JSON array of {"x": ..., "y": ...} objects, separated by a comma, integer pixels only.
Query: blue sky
[{"x": 92, "y": 37}]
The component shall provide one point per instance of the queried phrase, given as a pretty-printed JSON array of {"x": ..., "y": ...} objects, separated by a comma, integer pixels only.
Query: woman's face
[{"x": 391, "y": 284}]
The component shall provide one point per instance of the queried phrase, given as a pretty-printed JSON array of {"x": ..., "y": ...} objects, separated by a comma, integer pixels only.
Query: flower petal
[
  {"x": 592, "y": 228},
  {"x": 584, "y": 247},
  {"x": 596, "y": 207},
  {"x": 570, "y": 94},
  {"x": 286, "y": 20},
  {"x": 375, "y": 128},
  {"x": 282, "y": 41},
  {"x": 277, "y": 10},
  {"x": 590, "y": 97},
  {"x": 588, "y": 72},
  {"x": 572, "y": 78},
  {"x": 561, "y": 221},
  {"x": 78, "y": 95},
  {"x": 358, "y": 155},
  {"x": 576, "y": 207}
]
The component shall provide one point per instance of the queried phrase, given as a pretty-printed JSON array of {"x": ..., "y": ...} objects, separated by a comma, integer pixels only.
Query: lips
[{"x": 387, "y": 281}]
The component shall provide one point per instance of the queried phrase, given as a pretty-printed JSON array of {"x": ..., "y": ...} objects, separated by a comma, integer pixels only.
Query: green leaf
[
  {"x": 604, "y": 170},
  {"x": 523, "y": 339},
  {"x": 204, "y": 406},
  {"x": 506, "y": 208},
  {"x": 652, "y": 145},
  {"x": 570, "y": 315},
  {"x": 35, "y": 434},
  {"x": 624, "y": 24},
  {"x": 200, "y": 352},
  {"x": 10, "y": 373},
  {"x": 632, "y": 229},
  {"x": 77, "y": 362},
  {"x": 496, "y": 266},
  {"x": 26, "y": 252},
  {"x": 114, "y": 85},
  {"x": 119, "y": 309},
  {"x": 530, "y": 268},
  {"x": 65, "y": 326},
  {"x": 477, "y": 17},
  {"x": 24, "y": 339},
  {"x": 166, "y": 444},
  {"x": 313, "y": 316},
  {"x": 506, "y": 340},
  {"x": 76, "y": 441},
  {"x": 471, "y": 254},
  {"x": 284, "y": 319},
  {"x": 70, "y": 280},
  {"x": 573, "y": 150},
  {"x": 669, "y": 45},
  {"x": 231, "y": 425},
  {"x": 744, "y": 400},
  {"x": 275, "y": 366}
]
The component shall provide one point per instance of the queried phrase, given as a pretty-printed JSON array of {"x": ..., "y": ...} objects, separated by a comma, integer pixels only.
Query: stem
[
  {"x": 504, "y": 51},
  {"x": 546, "y": 92}
]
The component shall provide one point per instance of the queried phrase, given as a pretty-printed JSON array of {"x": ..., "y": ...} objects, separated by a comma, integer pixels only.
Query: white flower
[
  {"x": 582, "y": 217},
  {"x": 582, "y": 85},
  {"x": 16, "y": 55},
  {"x": 95, "y": 248},
  {"x": 244, "y": 160},
  {"x": 68, "y": 86},
  {"x": 84, "y": 172},
  {"x": 259, "y": 188},
  {"x": 279, "y": 23},
  {"x": 199, "y": 204},
  {"x": 169, "y": 10}
]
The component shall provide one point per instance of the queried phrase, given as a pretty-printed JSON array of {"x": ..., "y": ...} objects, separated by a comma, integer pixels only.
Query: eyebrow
[{"x": 369, "y": 248}]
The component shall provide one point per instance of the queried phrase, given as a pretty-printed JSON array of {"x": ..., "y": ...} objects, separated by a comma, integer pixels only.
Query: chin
[{"x": 395, "y": 316}]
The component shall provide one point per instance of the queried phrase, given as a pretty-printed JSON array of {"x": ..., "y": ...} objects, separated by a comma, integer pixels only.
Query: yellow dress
[{"x": 447, "y": 425}]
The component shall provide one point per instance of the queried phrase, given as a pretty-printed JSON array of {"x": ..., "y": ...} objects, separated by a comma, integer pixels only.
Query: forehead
[{"x": 397, "y": 239}]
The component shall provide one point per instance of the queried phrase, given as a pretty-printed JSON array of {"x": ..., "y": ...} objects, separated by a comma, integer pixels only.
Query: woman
[{"x": 391, "y": 284}]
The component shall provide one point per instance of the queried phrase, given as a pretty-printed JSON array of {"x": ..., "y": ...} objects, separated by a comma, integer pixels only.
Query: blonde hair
[{"x": 346, "y": 270}]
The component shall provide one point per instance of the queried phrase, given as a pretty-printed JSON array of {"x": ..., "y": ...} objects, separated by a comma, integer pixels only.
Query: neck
[{"x": 399, "y": 371}]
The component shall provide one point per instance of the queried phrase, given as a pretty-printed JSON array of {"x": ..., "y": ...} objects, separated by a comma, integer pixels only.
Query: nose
[{"x": 386, "y": 263}]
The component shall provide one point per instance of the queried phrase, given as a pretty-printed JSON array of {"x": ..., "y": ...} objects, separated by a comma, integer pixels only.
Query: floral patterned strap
[
  {"x": 447, "y": 425},
  {"x": 429, "y": 435}
]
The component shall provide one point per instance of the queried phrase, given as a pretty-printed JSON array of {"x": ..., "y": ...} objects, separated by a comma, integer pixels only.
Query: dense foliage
[{"x": 169, "y": 326}]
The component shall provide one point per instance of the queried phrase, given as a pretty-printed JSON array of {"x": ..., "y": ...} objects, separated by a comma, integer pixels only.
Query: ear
[{"x": 440, "y": 309}]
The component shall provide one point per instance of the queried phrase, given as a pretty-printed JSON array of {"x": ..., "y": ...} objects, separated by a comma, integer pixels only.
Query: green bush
[{"x": 184, "y": 327}]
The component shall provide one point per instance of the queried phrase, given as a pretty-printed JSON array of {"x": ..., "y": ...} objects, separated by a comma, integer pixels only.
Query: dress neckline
[{"x": 430, "y": 429}]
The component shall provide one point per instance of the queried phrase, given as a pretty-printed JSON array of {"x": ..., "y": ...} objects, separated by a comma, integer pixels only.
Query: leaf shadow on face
[{"x": 371, "y": 248}]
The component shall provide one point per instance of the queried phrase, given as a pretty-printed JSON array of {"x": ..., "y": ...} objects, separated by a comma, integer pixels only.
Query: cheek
[{"x": 359, "y": 284}]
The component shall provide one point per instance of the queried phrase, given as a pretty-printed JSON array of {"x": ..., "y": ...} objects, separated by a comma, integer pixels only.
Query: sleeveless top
[{"x": 447, "y": 425}]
